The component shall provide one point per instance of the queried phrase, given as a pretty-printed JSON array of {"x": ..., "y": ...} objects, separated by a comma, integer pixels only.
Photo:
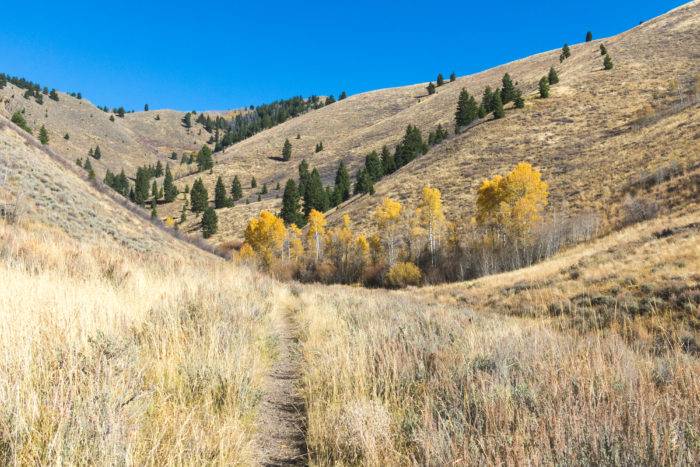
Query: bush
[
  {"x": 404, "y": 274},
  {"x": 18, "y": 119},
  {"x": 637, "y": 210}
]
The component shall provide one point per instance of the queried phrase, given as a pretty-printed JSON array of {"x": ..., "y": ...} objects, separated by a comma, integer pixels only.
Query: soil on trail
[{"x": 282, "y": 421}]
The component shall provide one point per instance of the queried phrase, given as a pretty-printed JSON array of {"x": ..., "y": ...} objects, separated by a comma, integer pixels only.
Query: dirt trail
[{"x": 282, "y": 421}]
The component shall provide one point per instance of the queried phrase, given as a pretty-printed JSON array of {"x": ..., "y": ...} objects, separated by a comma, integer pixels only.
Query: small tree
[
  {"x": 205, "y": 161},
  {"x": 199, "y": 196},
  {"x": 565, "y": 53},
  {"x": 210, "y": 222},
  {"x": 343, "y": 95},
  {"x": 220, "y": 198},
  {"x": 519, "y": 101},
  {"x": 453, "y": 77},
  {"x": 440, "y": 79},
  {"x": 603, "y": 50},
  {"x": 467, "y": 110},
  {"x": 145, "y": 107},
  {"x": 342, "y": 184},
  {"x": 319, "y": 146},
  {"x": 263, "y": 190},
  {"x": 287, "y": 150},
  {"x": 236, "y": 189},
  {"x": 498, "y": 111},
  {"x": 187, "y": 120},
  {"x": 544, "y": 87},
  {"x": 430, "y": 88},
  {"x": 607, "y": 62},
  {"x": 43, "y": 135},
  {"x": 552, "y": 77},
  {"x": 53, "y": 95},
  {"x": 97, "y": 153},
  {"x": 589, "y": 36},
  {"x": 18, "y": 119},
  {"x": 66, "y": 136},
  {"x": 291, "y": 207},
  {"x": 253, "y": 183},
  {"x": 508, "y": 89}
]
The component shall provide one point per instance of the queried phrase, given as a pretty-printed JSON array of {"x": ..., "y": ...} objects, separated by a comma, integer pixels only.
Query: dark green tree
[
  {"x": 319, "y": 146},
  {"x": 304, "y": 177},
  {"x": 291, "y": 208},
  {"x": 519, "y": 101},
  {"x": 544, "y": 87},
  {"x": 553, "y": 77},
  {"x": 53, "y": 95},
  {"x": 154, "y": 190},
  {"x": 388, "y": 162},
  {"x": 141, "y": 186},
  {"x": 66, "y": 136},
  {"x": 364, "y": 184},
  {"x": 236, "y": 189},
  {"x": 43, "y": 135},
  {"x": 410, "y": 147},
  {"x": 498, "y": 111},
  {"x": 88, "y": 168},
  {"x": 315, "y": 196},
  {"x": 199, "y": 196},
  {"x": 154, "y": 210},
  {"x": 145, "y": 107},
  {"x": 589, "y": 36},
  {"x": 205, "y": 161},
  {"x": 430, "y": 88},
  {"x": 187, "y": 120},
  {"x": 607, "y": 62},
  {"x": 263, "y": 190},
  {"x": 508, "y": 89},
  {"x": 210, "y": 222},
  {"x": 253, "y": 183},
  {"x": 287, "y": 150},
  {"x": 18, "y": 119},
  {"x": 159, "y": 169},
  {"x": 453, "y": 77},
  {"x": 467, "y": 110},
  {"x": 440, "y": 80},
  {"x": 603, "y": 50},
  {"x": 565, "y": 53},
  {"x": 343, "y": 95},
  {"x": 374, "y": 166},
  {"x": 341, "y": 192},
  {"x": 487, "y": 99},
  {"x": 220, "y": 198}
]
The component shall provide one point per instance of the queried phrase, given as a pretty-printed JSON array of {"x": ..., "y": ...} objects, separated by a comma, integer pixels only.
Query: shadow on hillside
[{"x": 276, "y": 158}]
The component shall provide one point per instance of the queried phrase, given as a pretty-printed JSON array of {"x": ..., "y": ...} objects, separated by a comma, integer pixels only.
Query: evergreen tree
[
  {"x": 210, "y": 222},
  {"x": 453, "y": 77},
  {"x": 18, "y": 119},
  {"x": 120, "y": 112},
  {"x": 154, "y": 190},
  {"x": 553, "y": 77},
  {"x": 440, "y": 80},
  {"x": 498, "y": 111},
  {"x": 481, "y": 111},
  {"x": 187, "y": 120},
  {"x": 342, "y": 96},
  {"x": 467, "y": 110},
  {"x": 79, "y": 162},
  {"x": 410, "y": 147},
  {"x": 199, "y": 196},
  {"x": 319, "y": 146},
  {"x": 141, "y": 186},
  {"x": 236, "y": 189},
  {"x": 487, "y": 99},
  {"x": 277, "y": 187},
  {"x": 304, "y": 176},
  {"x": 342, "y": 184},
  {"x": 111, "y": 118},
  {"x": 154, "y": 211},
  {"x": 607, "y": 62},
  {"x": 508, "y": 89},
  {"x": 330, "y": 100},
  {"x": 519, "y": 101},
  {"x": 97, "y": 153},
  {"x": 430, "y": 88},
  {"x": 253, "y": 183},
  {"x": 565, "y": 53},
  {"x": 66, "y": 136},
  {"x": 364, "y": 184},
  {"x": 388, "y": 162},
  {"x": 589, "y": 36},
  {"x": 53, "y": 95},
  {"x": 287, "y": 150},
  {"x": 205, "y": 160},
  {"x": 87, "y": 166},
  {"x": 544, "y": 87},
  {"x": 145, "y": 107},
  {"x": 603, "y": 50},
  {"x": 374, "y": 166},
  {"x": 159, "y": 169},
  {"x": 122, "y": 184},
  {"x": 220, "y": 199},
  {"x": 315, "y": 196},
  {"x": 43, "y": 135},
  {"x": 291, "y": 208},
  {"x": 263, "y": 191}
]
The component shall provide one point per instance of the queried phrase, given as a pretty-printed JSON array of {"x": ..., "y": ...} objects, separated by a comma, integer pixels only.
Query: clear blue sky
[{"x": 214, "y": 54}]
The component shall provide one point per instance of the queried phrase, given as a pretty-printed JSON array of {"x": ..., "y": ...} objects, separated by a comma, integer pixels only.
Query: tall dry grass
[
  {"x": 391, "y": 381},
  {"x": 111, "y": 357}
]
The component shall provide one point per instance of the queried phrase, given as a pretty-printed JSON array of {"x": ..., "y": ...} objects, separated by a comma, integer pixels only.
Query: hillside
[
  {"x": 135, "y": 140},
  {"x": 587, "y": 137}
]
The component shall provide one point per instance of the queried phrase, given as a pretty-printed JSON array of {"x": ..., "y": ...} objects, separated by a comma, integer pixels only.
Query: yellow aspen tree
[
  {"x": 294, "y": 248},
  {"x": 388, "y": 217},
  {"x": 317, "y": 229},
  {"x": 431, "y": 217},
  {"x": 265, "y": 234}
]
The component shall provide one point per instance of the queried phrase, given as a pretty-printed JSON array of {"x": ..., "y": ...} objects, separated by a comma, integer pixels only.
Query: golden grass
[{"x": 113, "y": 357}]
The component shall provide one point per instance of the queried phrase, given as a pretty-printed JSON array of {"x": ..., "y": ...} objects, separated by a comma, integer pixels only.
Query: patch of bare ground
[{"x": 282, "y": 419}]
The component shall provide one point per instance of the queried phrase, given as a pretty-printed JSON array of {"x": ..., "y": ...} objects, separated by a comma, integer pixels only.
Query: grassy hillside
[
  {"x": 135, "y": 140},
  {"x": 599, "y": 132}
]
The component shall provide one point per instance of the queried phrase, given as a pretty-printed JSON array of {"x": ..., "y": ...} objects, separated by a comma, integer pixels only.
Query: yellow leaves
[
  {"x": 513, "y": 202},
  {"x": 362, "y": 244},
  {"x": 317, "y": 224},
  {"x": 404, "y": 274},
  {"x": 265, "y": 234},
  {"x": 430, "y": 207},
  {"x": 170, "y": 222},
  {"x": 388, "y": 212}
]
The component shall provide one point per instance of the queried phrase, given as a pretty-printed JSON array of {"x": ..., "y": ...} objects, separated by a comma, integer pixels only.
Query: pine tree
[
  {"x": 364, "y": 184},
  {"x": 519, "y": 101},
  {"x": 498, "y": 111},
  {"x": 277, "y": 187},
  {"x": 111, "y": 118},
  {"x": 220, "y": 199},
  {"x": 603, "y": 50},
  {"x": 43, "y": 135},
  {"x": 53, "y": 95},
  {"x": 410, "y": 147},
  {"x": 388, "y": 162},
  {"x": 319, "y": 146},
  {"x": 236, "y": 189},
  {"x": 79, "y": 162},
  {"x": 291, "y": 209},
  {"x": 553, "y": 77},
  {"x": 544, "y": 87},
  {"x": 487, "y": 99},
  {"x": 97, "y": 153},
  {"x": 607, "y": 62},
  {"x": 481, "y": 111},
  {"x": 187, "y": 120},
  {"x": 440, "y": 80},
  {"x": 145, "y": 107},
  {"x": 565, "y": 53},
  {"x": 287, "y": 150},
  {"x": 141, "y": 186},
  {"x": 88, "y": 168},
  {"x": 154, "y": 211},
  {"x": 589, "y": 36},
  {"x": 453, "y": 77},
  {"x": 467, "y": 110},
  {"x": 159, "y": 169},
  {"x": 120, "y": 112},
  {"x": 263, "y": 190},
  {"x": 304, "y": 176},
  {"x": 342, "y": 184},
  {"x": 210, "y": 222},
  {"x": 18, "y": 119},
  {"x": 169, "y": 189},
  {"x": 315, "y": 196},
  {"x": 374, "y": 166},
  {"x": 122, "y": 184},
  {"x": 66, "y": 136},
  {"x": 430, "y": 88},
  {"x": 343, "y": 95},
  {"x": 199, "y": 196},
  {"x": 154, "y": 190},
  {"x": 508, "y": 90},
  {"x": 253, "y": 183},
  {"x": 205, "y": 160}
]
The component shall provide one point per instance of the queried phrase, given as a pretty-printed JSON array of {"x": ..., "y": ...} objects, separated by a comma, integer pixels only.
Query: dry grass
[
  {"x": 470, "y": 375},
  {"x": 112, "y": 357}
]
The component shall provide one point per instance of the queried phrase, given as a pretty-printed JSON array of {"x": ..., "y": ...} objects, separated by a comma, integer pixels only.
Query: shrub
[
  {"x": 637, "y": 210},
  {"x": 404, "y": 274},
  {"x": 18, "y": 119}
]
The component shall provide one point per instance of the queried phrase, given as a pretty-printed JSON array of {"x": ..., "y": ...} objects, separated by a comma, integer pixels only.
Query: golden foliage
[
  {"x": 404, "y": 274},
  {"x": 265, "y": 235},
  {"x": 317, "y": 229},
  {"x": 514, "y": 202}
]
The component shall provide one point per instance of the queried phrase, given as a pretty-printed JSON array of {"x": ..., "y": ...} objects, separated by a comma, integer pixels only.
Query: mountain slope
[{"x": 583, "y": 136}]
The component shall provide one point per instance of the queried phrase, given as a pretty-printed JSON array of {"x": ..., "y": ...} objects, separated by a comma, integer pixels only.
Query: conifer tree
[
  {"x": 519, "y": 101},
  {"x": 210, "y": 222},
  {"x": 544, "y": 87},
  {"x": 374, "y": 166},
  {"x": 154, "y": 210},
  {"x": 388, "y": 162},
  {"x": 553, "y": 77},
  {"x": 487, "y": 99},
  {"x": 410, "y": 147},
  {"x": 253, "y": 183},
  {"x": 287, "y": 150},
  {"x": 122, "y": 184},
  {"x": 498, "y": 111},
  {"x": 154, "y": 190},
  {"x": 481, "y": 111},
  {"x": 430, "y": 88},
  {"x": 453, "y": 77},
  {"x": 315, "y": 196},
  {"x": 607, "y": 62},
  {"x": 169, "y": 189},
  {"x": 141, "y": 186},
  {"x": 565, "y": 53},
  {"x": 236, "y": 189},
  {"x": 263, "y": 191},
  {"x": 291, "y": 208},
  {"x": 319, "y": 146},
  {"x": 88, "y": 167},
  {"x": 43, "y": 135},
  {"x": 277, "y": 187},
  {"x": 330, "y": 100},
  {"x": 220, "y": 198},
  {"x": 508, "y": 89},
  {"x": 97, "y": 154},
  {"x": 18, "y": 119},
  {"x": 363, "y": 183},
  {"x": 589, "y": 36},
  {"x": 467, "y": 110},
  {"x": 204, "y": 159},
  {"x": 304, "y": 176},
  {"x": 199, "y": 196},
  {"x": 342, "y": 96},
  {"x": 440, "y": 80},
  {"x": 79, "y": 162},
  {"x": 342, "y": 184},
  {"x": 603, "y": 50},
  {"x": 66, "y": 136},
  {"x": 159, "y": 169},
  {"x": 187, "y": 120},
  {"x": 145, "y": 107},
  {"x": 53, "y": 95}
]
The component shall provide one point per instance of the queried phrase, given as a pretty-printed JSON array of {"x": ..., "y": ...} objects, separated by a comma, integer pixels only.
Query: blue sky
[{"x": 219, "y": 55}]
